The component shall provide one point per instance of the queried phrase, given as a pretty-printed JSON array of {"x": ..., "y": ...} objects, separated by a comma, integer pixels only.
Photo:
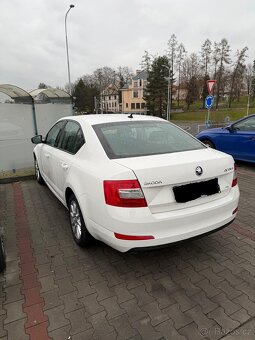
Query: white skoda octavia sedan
[{"x": 135, "y": 181}]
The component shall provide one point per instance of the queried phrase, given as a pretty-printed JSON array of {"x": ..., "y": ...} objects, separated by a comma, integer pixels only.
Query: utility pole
[{"x": 67, "y": 52}]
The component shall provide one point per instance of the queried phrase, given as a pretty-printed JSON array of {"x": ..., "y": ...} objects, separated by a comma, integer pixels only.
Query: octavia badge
[{"x": 199, "y": 171}]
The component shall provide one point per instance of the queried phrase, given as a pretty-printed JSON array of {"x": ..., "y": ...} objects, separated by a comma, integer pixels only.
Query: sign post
[{"x": 209, "y": 100}]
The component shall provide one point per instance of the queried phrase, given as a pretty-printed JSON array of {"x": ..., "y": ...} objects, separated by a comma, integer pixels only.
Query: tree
[
  {"x": 146, "y": 62},
  {"x": 237, "y": 74},
  {"x": 223, "y": 50},
  {"x": 193, "y": 91},
  {"x": 156, "y": 91},
  {"x": 84, "y": 96},
  {"x": 42, "y": 86},
  {"x": 206, "y": 51},
  {"x": 181, "y": 52},
  {"x": 79, "y": 94},
  {"x": 104, "y": 77},
  {"x": 190, "y": 68},
  {"x": 68, "y": 89},
  {"x": 216, "y": 58},
  {"x": 123, "y": 74},
  {"x": 171, "y": 50},
  {"x": 171, "y": 54},
  {"x": 253, "y": 81}
]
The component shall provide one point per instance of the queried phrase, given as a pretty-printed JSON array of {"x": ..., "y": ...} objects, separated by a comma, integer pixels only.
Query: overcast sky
[{"x": 110, "y": 33}]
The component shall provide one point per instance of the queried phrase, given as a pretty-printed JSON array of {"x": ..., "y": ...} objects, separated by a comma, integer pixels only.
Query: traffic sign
[
  {"x": 210, "y": 85},
  {"x": 209, "y": 101}
]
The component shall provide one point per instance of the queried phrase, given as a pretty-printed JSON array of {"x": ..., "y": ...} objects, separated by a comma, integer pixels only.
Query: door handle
[
  {"x": 64, "y": 166},
  {"x": 47, "y": 155}
]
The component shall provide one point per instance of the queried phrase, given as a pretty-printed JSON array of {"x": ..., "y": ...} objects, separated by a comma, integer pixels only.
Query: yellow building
[{"x": 133, "y": 93}]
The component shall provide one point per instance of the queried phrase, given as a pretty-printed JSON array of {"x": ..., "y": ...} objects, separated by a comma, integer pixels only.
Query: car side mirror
[
  {"x": 230, "y": 128},
  {"x": 37, "y": 139}
]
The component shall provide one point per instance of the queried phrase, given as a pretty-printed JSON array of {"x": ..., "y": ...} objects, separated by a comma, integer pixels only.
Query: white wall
[
  {"x": 48, "y": 114},
  {"x": 16, "y": 130}
]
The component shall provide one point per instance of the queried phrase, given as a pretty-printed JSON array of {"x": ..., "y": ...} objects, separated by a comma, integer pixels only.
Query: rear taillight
[
  {"x": 125, "y": 193},
  {"x": 234, "y": 182}
]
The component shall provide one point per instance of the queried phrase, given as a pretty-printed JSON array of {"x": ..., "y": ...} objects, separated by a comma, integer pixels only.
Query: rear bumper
[
  {"x": 188, "y": 239},
  {"x": 167, "y": 227}
]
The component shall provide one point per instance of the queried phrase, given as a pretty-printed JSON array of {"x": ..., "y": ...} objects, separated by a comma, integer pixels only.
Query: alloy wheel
[{"x": 75, "y": 218}]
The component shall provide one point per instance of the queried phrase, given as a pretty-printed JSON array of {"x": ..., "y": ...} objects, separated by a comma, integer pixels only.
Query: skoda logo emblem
[{"x": 199, "y": 171}]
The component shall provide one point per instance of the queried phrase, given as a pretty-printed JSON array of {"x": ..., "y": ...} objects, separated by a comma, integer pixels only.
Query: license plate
[{"x": 192, "y": 191}]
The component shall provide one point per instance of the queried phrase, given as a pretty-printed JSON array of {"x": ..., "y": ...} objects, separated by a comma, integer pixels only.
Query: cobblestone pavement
[{"x": 201, "y": 289}]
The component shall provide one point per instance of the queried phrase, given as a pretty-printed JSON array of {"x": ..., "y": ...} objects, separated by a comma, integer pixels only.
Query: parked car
[
  {"x": 135, "y": 181},
  {"x": 237, "y": 139}
]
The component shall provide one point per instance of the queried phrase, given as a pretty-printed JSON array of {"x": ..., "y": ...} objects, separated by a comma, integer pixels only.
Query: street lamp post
[
  {"x": 168, "y": 95},
  {"x": 67, "y": 53},
  {"x": 168, "y": 109}
]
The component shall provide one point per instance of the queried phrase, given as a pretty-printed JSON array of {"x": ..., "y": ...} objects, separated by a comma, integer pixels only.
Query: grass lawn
[{"x": 238, "y": 110}]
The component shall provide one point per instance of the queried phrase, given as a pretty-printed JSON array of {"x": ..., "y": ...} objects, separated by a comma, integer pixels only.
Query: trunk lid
[{"x": 159, "y": 174}]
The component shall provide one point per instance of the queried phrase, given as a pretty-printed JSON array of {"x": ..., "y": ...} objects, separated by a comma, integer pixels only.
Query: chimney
[{"x": 138, "y": 71}]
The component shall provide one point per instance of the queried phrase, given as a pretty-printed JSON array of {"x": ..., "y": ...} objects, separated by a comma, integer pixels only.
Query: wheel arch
[
  {"x": 206, "y": 138},
  {"x": 68, "y": 193}
]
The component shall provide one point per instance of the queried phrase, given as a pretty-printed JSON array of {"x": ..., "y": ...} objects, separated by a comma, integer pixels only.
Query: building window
[
  {"x": 140, "y": 82},
  {"x": 126, "y": 105},
  {"x": 142, "y": 105},
  {"x": 135, "y": 94},
  {"x": 132, "y": 106},
  {"x": 137, "y": 106},
  {"x": 135, "y": 83},
  {"x": 115, "y": 97},
  {"x": 109, "y": 104}
]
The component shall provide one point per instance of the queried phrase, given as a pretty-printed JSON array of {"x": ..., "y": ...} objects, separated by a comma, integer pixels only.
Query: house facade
[
  {"x": 133, "y": 93},
  {"x": 109, "y": 100}
]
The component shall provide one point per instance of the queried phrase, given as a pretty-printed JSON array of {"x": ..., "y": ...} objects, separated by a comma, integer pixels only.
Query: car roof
[{"x": 108, "y": 118}]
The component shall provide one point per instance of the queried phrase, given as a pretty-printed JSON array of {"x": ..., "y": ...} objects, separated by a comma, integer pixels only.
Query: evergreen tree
[
  {"x": 157, "y": 86},
  {"x": 84, "y": 96}
]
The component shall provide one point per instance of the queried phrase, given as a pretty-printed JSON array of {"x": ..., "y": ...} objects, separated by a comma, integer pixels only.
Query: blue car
[{"x": 237, "y": 139}]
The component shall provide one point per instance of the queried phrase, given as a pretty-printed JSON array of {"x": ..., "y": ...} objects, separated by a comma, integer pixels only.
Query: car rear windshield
[{"x": 143, "y": 138}]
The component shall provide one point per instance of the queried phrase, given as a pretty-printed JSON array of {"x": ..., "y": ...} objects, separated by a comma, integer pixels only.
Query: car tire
[
  {"x": 2, "y": 255},
  {"x": 38, "y": 175},
  {"x": 80, "y": 233},
  {"x": 209, "y": 143}
]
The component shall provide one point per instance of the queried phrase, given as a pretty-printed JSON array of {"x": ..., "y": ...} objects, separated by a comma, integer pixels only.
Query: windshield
[{"x": 143, "y": 138}]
